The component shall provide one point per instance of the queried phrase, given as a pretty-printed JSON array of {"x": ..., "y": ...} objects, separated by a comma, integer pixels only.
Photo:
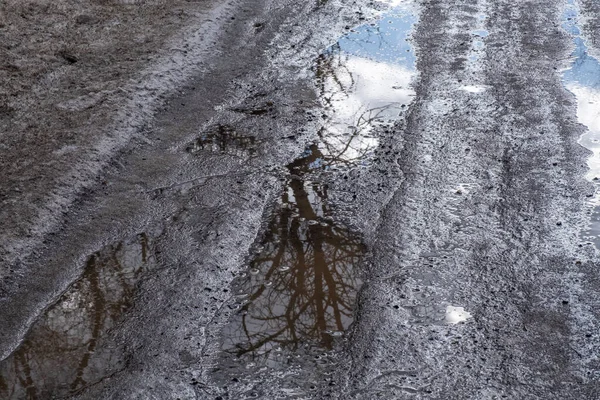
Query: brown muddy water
[{"x": 300, "y": 288}]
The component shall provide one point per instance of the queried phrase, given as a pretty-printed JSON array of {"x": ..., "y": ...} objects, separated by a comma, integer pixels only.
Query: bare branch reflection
[
  {"x": 356, "y": 101},
  {"x": 301, "y": 287},
  {"x": 224, "y": 139},
  {"x": 333, "y": 75},
  {"x": 60, "y": 354}
]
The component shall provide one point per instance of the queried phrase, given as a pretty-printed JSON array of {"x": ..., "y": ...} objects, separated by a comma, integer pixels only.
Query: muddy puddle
[
  {"x": 224, "y": 139},
  {"x": 582, "y": 79},
  {"x": 60, "y": 354},
  {"x": 297, "y": 296},
  {"x": 299, "y": 290},
  {"x": 296, "y": 299}
]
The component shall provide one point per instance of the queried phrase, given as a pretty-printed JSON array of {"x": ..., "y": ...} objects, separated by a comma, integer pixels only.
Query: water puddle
[
  {"x": 300, "y": 289},
  {"x": 583, "y": 80},
  {"x": 427, "y": 308},
  {"x": 60, "y": 354},
  {"x": 297, "y": 297},
  {"x": 224, "y": 139},
  {"x": 478, "y": 42},
  {"x": 472, "y": 88},
  {"x": 365, "y": 80}
]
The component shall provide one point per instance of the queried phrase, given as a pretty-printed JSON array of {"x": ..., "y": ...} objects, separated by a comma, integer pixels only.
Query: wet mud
[
  {"x": 410, "y": 229},
  {"x": 61, "y": 354},
  {"x": 475, "y": 289},
  {"x": 211, "y": 225}
]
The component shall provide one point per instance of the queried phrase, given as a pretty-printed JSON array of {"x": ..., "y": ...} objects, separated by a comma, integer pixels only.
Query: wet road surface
[{"x": 385, "y": 200}]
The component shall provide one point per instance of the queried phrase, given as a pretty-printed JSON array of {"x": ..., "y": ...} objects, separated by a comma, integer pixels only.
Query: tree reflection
[
  {"x": 60, "y": 354},
  {"x": 301, "y": 287},
  {"x": 333, "y": 75},
  {"x": 226, "y": 140}
]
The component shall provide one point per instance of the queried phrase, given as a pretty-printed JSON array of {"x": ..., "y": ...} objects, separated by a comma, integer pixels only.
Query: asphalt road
[{"x": 338, "y": 199}]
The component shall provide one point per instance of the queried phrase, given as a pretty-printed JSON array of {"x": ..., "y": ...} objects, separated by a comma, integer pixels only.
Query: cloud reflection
[{"x": 365, "y": 80}]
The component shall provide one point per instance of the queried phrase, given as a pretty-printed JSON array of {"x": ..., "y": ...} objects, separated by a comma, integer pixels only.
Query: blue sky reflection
[
  {"x": 367, "y": 80},
  {"x": 583, "y": 80}
]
